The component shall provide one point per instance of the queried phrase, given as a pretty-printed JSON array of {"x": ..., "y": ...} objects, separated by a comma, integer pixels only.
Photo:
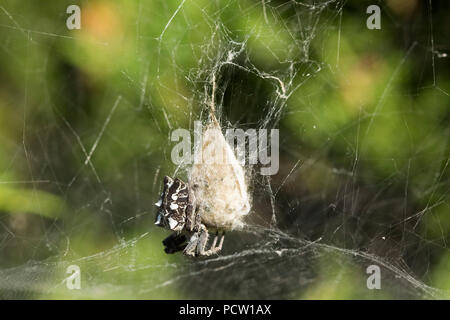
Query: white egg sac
[{"x": 218, "y": 182}]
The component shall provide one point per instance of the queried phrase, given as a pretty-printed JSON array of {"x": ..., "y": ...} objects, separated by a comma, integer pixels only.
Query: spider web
[{"x": 92, "y": 163}]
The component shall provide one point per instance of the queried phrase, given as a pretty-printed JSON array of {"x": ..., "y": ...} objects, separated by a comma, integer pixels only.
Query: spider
[
  {"x": 177, "y": 212},
  {"x": 214, "y": 199}
]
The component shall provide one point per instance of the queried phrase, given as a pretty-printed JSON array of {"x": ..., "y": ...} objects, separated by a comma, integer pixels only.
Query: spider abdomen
[{"x": 218, "y": 183}]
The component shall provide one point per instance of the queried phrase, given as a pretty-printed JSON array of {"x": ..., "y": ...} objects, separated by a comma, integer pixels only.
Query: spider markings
[{"x": 177, "y": 212}]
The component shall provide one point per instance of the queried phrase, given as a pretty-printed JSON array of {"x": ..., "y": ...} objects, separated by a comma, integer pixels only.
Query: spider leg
[
  {"x": 215, "y": 240},
  {"x": 198, "y": 242},
  {"x": 189, "y": 250},
  {"x": 203, "y": 241},
  {"x": 219, "y": 247},
  {"x": 213, "y": 249}
]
